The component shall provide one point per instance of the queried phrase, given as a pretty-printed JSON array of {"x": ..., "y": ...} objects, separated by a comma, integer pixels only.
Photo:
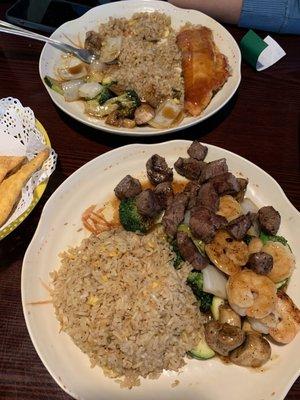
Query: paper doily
[{"x": 19, "y": 136}]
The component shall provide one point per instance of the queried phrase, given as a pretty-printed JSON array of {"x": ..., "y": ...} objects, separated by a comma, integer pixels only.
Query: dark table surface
[{"x": 260, "y": 123}]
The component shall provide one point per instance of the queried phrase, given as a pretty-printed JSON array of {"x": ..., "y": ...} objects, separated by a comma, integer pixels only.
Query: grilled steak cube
[
  {"x": 212, "y": 169},
  {"x": 189, "y": 167},
  {"x": 269, "y": 219},
  {"x": 128, "y": 187},
  {"x": 158, "y": 170},
  {"x": 197, "y": 150},
  {"x": 189, "y": 251},
  {"x": 174, "y": 213},
  {"x": 148, "y": 204}
]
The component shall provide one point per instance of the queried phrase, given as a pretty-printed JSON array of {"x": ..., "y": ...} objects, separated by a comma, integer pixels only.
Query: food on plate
[
  {"x": 251, "y": 294},
  {"x": 254, "y": 352},
  {"x": 125, "y": 306},
  {"x": 145, "y": 72},
  {"x": 8, "y": 164},
  {"x": 226, "y": 253},
  {"x": 229, "y": 207},
  {"x": 223, "y": 338},
  {"x": 205, "y": 69},
  {"x": 283, "y": 261},
  {"x": 172, "y": 276},
  {"x": 283, "y": 323},
  {"x": 158, "y": 170},
  {"x": 228, "y": 316},
  {"x": 11, "y": 187}
]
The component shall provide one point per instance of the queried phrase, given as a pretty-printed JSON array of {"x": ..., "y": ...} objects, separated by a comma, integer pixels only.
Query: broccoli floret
[
  {"x": 195, "y": 281},
  {"x": 104, "y": 95},
  {"x": 264, "y": 237},
  {"x": 178, "y": 259},
  {"x": 127, "y": 102},
  {"x": 205, "y": 301},
  {"x": 130, "y": 218}
]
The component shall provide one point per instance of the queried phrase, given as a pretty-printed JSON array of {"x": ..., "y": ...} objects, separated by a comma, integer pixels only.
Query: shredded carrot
[{"x": 94, "y": 220}]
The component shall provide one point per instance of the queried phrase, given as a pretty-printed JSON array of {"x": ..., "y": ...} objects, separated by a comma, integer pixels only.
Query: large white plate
[
  {"x": 76, "y": 30},
  {"x": 58, "y": 229}
]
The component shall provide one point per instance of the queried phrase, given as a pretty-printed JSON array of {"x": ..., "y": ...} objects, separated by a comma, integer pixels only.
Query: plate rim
[
  {"x": 134, "y": 133},
  {"x": 66, "y": 181},
  {"x": 37, "y": 194}
]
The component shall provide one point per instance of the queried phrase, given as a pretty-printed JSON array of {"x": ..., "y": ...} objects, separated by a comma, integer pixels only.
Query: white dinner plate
[
  {"x": 59, "y": 227},
  {"x": 77, "y": 28}
]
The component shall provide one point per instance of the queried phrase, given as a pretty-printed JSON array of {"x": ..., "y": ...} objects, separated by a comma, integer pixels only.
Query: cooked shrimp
[
  {"x": 263, "y": 325},
  {"x": 226, "y": 253},
  {"x": 229, "y": 208},
  {"x": 283, "y": 324},
  {"x": 283, "y": 261},
  {"x": 251, "y": 294},
  {"x": 255, "y": 245},
  {"x": 289, "y": 319}
]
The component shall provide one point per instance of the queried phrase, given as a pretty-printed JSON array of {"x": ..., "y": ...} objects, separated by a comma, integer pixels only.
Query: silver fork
[{"x": 83, "y": 54}]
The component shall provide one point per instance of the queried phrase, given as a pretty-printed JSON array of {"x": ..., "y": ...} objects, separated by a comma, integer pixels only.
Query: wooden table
[{"x": 261, "y": 123}]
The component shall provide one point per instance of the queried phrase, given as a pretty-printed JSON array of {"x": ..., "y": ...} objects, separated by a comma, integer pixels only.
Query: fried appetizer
[
  {"x": 10, "y": 188},
  {"x": 8, "y": 164}
]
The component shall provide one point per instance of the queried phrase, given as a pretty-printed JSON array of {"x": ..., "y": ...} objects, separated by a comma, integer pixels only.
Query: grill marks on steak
[
  {"x": 190, "y": 168},
  {"x": 189, "y": 251},
  {"x": 158, "y": 170},
  {"x": 204, "y": 223},
  {"x": 269, "y": 219},
  {"x": 174, "y": 213}
]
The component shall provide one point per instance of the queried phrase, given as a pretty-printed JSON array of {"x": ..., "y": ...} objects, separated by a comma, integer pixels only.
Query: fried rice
[
  {"x": 150, "y": 60},
  {"x": 123, "y": 304}
]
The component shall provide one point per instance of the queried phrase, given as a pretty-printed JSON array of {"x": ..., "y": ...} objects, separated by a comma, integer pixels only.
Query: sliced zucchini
[
  {"x": 202, "y": 351},
  {"x": 215, "y": 305},
  {"x": 53, "y": 84}
]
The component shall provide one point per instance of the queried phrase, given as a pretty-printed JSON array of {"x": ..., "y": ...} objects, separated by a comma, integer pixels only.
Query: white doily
[{"x": 19, "y": 137}]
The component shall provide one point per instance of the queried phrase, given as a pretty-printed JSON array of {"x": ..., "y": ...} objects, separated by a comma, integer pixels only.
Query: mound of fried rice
[{"x": 122, "y": 302}]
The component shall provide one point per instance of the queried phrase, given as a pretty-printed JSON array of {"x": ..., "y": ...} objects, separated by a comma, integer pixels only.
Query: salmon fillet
[{"x": 205, "y": 69}]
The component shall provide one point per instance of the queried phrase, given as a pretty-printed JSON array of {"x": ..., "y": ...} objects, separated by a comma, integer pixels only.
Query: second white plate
[
  {"x": 77, "y": 28},
  {"x": 59, "y": 228}
]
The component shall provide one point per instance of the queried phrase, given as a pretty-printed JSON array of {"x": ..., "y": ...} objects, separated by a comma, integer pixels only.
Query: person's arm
[
  {"x": 282, "y": 16},
  {"x": 223, "y": 10}
]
